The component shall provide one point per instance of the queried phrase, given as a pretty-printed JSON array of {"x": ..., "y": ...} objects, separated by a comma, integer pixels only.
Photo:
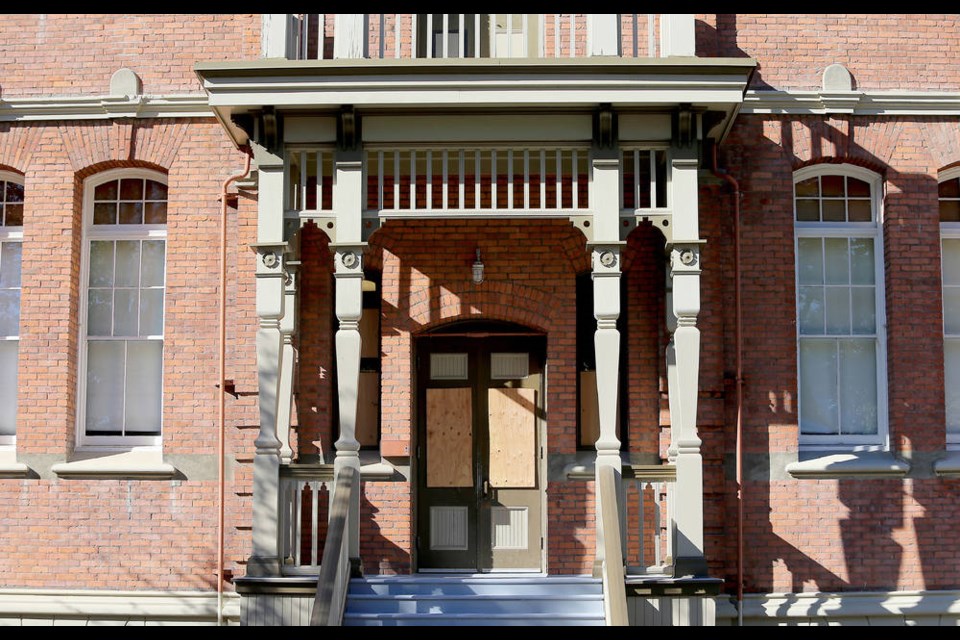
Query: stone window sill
[
  {"x": 133, "y": 465},
  {"x": 948, "y": 466},
  {"x": 847, "y": 464},
  {"x": 9, "y": 467}
]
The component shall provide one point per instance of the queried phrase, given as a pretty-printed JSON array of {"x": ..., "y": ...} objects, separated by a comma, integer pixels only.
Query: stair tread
[
  {"x": 478, "y": 615},
  {"x": 476, "y": 596}
]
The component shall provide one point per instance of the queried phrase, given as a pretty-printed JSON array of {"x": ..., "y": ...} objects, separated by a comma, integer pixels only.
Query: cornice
[
  {"x": 103, "y": 107},
  {"x": 860, "y": 103}
]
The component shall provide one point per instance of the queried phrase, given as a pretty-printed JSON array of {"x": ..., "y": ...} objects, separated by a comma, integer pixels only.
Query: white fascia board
[
  {"x": 860, "y": 103},
  {"x": 103, "y": 107}
]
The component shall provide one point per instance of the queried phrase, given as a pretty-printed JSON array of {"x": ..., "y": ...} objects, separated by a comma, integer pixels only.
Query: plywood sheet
[
  {"x": 513, "y": 447},
  {"x": 589, "y": 411},
  {"x": 449, "y": 437},
  {"x": 370, "y": 333},
  {"x": 368, "y": 409}
]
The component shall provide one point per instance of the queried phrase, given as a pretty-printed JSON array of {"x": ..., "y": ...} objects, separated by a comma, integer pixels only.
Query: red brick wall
[
  {"x": 121, "y": 534},
  {"x": 63, "y": 54},
  {"x": 837, "y": 534},
  {"x": 882, "y": 52}
]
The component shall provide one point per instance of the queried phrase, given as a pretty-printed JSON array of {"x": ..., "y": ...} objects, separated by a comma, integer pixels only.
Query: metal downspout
[
  {"x": 738, "y": 331},
  {"x": 221, "y": 375}
]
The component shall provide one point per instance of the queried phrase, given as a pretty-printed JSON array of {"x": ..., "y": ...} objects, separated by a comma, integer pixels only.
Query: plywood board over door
[
  {"x": 449, "y": 437},
  {"x": 512, "y": 423}
]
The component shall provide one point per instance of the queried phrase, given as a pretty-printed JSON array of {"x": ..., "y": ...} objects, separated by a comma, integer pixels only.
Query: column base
[
  {"x": 695, "y": 566},
  {"x": 263, "y": 567}
]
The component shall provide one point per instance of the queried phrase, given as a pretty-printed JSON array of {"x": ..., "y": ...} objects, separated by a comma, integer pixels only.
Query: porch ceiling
[{"x": 708, "y": 84}]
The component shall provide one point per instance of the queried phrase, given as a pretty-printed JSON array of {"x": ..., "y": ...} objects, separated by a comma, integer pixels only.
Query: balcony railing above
[{"x": 319, "y": 36}]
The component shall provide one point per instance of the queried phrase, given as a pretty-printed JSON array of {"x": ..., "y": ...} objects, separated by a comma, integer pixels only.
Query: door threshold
[{"x": 491, "y": 572}]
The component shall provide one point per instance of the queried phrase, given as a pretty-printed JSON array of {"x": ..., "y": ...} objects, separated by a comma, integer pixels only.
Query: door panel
[{"x": 479, "y": 488}]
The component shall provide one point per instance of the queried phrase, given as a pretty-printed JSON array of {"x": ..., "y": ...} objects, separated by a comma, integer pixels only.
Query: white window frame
[
  {"x": 949, "y": 230},
  {"x": 93, "y": 232},
  {"x": 11, "y": 235},
  {"x": 874, "y": 230}
]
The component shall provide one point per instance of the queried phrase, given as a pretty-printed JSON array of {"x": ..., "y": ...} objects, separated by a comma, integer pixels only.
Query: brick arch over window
[{"x": 109, "y": 165}]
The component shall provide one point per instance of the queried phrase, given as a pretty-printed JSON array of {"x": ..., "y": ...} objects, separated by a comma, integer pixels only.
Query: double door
[{"x": 479, "y": 466}]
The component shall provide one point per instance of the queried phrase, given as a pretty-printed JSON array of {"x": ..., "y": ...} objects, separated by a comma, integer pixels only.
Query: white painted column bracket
[{"x": 288, "y": 329}]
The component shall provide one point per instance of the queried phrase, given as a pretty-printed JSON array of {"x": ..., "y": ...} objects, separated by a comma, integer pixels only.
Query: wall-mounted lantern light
[{"x": 478, "y": 269}]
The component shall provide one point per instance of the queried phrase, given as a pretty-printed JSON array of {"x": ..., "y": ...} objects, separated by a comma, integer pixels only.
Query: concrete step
[
  {"x": 504, "y": 603},
  {"x": 469, "y": 620}
]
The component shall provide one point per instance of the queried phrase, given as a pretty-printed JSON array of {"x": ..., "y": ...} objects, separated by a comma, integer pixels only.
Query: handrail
[
  {"x": 334, "y": 578},
  {"x": 614, "y": 592}
]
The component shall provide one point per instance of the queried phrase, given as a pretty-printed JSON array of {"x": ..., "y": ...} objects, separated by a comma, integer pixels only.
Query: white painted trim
[
  {"x": 831, "y": 464},
  {"x": 113, "y": 232},
  {"x": 820, "y": 608},
  {"x": 145, "y": 606},
  {"x": 11, "y": 235},
  {"x": 137, "y": 463},
  {"x": 872, "y": 230},
  {"x": 103, "y": 107},
  {"x": 861, "y": 103},
  {"x": 949, "y": 230}
]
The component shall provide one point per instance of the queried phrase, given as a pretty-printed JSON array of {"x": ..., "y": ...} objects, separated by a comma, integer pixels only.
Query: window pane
[
  {"x": 152, "y": 258},
  {"x": 832, "y": 185},
  {"x": 104, "y": 406},
  {"x": 155, "y": 213},
  {"x": 101, "y": 263},
  {"x": 131, "y": 189},
  {"x": 837, "y": 266},
  {"x": 10, "y": 253},
  {"x": 9, "y": 312},
  {"x": 864, "y": 303},
  {"x": 857, "y": 188},
  {"x": 951, "y": 261},
  {"x": 156, "y": 190},
  {"x": 151, "y": 312},
  {"x": 950, "y": 211},
  {"x": 862, "y": 262},
  {"x": 14, "y": 215},
  {"x": 99, "y": 312},
  {"x": 8, "y": 387},
  {"x": 810, "y": 309},
  {"x": 834, "y": 211},
  {"x": 143, "y": 393},
  {"x": 14, "y": 192},
  {"x": 818, "y": 387},
  {"x": 951, "y": 358},
  {"x": 131, "y": 213},
  {"x": 808, "y": 187},
  {"x": 838, "y": 310},
  {"x": 125, "y": 312},
  {"x": 859, "y": 210},
  {"x": 951, "y": 311},
  {"x": 105, "y": 213},
  {"x": 858, "y": 386},
  {"x": 810, "y": 261},
  {"x": 106, "y": 191},
  {"x": 808, "y": 210},
  {"x": 950, "y": 188},
  {"x": 128, "y": 263}
]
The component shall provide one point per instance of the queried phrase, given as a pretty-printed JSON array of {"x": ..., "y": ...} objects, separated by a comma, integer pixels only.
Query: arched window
[
  {"x": 11, "y": 236},
  {"x": 124, "y": 256},
  {"x": 949, "y": 192},
  {"x": 840, "y": 309}
]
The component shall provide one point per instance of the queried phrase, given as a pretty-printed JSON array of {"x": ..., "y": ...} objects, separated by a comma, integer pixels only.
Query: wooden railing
[
  {"x": 612, "y": 573},
  {"x": 473, "y": 35},
  {"x": 646, "y": 516},
  {"x": 305, "y": 493},
  {"x": 335, "y": 568}
]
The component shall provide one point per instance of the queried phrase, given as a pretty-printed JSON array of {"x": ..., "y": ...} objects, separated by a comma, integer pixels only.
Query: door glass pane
[
  {"x": 104, "y": 405},
  {"x": 859, "y": 210},
  {"x": 809, "y": 187},
  {"x": 9, "y": 312},
  {"x": 128, "y": 263},
  {"x": 100, "y": 312},
  {"x": 951, "y": 261},
  {"x": 512, "y": 432},
  {"x": 810, "y": 260},
  {"x": 125, "y": 312},
  {"x": 832, "y": 186},
  {"x": 952, "y": 384},
  {"x": 810, "y": 309},
  {"x": 864, "y": 310},
  {"x": 153, "y": 260},
  {"x": 808, "y": 210},
  {"x": 8, "y": 387},
  {"x": 862, "y": 263},
  {"x": 837, "y": 266},
  {"x": 449, "y": 437},
  {"x": 951, "y": 310},
  {"x": 834, "y": 210},
  {"x": 819, "y": 405},
  {"x": 143, "y": 387},
  {"x": 858, "y": 386},
  {"x": 838, "y": 310},
  {"x": 101, "y": 263},
  {"x": 10, "y": 264}
]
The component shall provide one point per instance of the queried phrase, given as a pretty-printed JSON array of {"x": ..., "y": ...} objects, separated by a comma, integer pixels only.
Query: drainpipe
[
  {"x": 221, "y": 420},
  {"x": 738, "y": 332}
]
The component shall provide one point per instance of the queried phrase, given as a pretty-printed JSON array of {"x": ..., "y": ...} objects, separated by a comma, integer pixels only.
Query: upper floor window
[
  {"x": 125, "y": 215},
  {"x": 950, "y": 263},
  {"x": 840, "y": 310},
  {"x": 11, "y": 236}
]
